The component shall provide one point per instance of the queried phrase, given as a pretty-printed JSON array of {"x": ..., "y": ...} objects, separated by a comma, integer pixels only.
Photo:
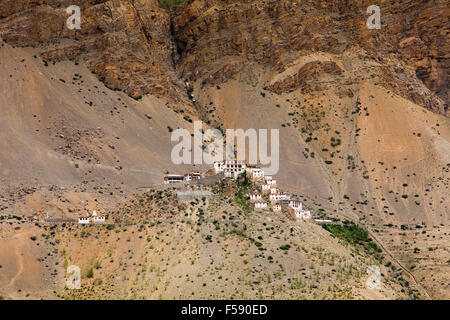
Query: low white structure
[
  {"x": 265, "y": 187},
  {"x": 99, "y": 219},
  {"x": 260, "y": 205},
  {"x": 303, "y": 215},
  {"x": 271, "y": 182},
  {"x": 257, "y": 173},
  {"x": 173, "y": 178},
  {"x": 276, "y": 207},
  {"x": 296, "y": 205},
  {"x": 323, "y": 221},
  {"x": 255, "y": 197},
  {"x": 279, "y": 196},
  {"x": 273, "y": 190},
  {"x": 83, "y": 220}
]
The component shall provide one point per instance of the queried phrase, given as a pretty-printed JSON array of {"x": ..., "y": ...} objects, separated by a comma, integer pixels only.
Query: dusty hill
[
  {"x": 124, "y": 42},
  {"x": 62, "y": 128},
  {"x": 204, "y": 248},
  {"x": 363, "y": 117}
]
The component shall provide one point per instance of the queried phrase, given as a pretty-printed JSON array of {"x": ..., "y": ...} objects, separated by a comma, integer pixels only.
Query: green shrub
[
  {"x": 166, "y": 4},
  {"x": 355, "y": 235},
  {"x": 90, "y": 273}
]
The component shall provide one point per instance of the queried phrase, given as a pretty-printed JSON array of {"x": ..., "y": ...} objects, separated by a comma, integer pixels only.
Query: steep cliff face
[
  {"x": 409, "y": 54},
  {"x": 126, "y": 43},
  {"x": 129, "y": 44}
]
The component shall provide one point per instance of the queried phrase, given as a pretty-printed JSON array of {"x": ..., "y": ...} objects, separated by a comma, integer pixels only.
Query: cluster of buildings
[
  {"x": 94, "y": 218},
  {"x": 279, "y": 200}
]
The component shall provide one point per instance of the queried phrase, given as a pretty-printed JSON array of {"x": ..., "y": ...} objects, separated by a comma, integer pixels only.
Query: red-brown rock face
[
  {"x": 411, "y": 48},
  {"x": 125, "y": 42},
  {"x": 131, "y": 44}
]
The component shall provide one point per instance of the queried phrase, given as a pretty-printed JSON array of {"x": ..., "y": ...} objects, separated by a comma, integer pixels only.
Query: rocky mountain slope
[
  {"x": 363, "y": 114},
  {"x": 200, "y": 249},
  {"x": 409, "y": 55}
]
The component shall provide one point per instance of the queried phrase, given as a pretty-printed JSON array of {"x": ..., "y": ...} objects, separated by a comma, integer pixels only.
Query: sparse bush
[
  {"x": 166, "y": 4},
  {"x": 90, "y": 273}
]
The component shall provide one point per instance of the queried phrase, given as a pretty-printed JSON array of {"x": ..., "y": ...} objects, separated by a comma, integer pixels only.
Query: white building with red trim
[
  {"x": 173, "y": 178},
  {"x": 303, "y": 215}
]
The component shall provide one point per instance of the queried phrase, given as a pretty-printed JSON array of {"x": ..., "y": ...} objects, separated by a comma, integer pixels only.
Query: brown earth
[{"x": 362, "y": 114}]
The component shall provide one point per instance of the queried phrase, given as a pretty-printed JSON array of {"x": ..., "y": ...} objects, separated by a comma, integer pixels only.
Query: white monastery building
[
  {"x": 173, "y": 178},
  {"x": 276, "y": 207},
  {"x": 260, "y": 205},
  {"x": 255, "y": 197},
  {"x": 303, "y": 215},
  {"x": 256, "y": 172},
  {"x": 83, "y": 220},
  {"x": 296, "y": 205},
  {"x": 230, "y": 168},
  {"x": 279, "y": 196}
]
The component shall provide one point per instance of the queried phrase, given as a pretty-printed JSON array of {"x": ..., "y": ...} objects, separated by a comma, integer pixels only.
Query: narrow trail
[
  {"x": 416, "y": 282},
  {"x": 18, "y": 245},
  {"x": 20, "y": 267},
  {"x": 383, "y": 247}
]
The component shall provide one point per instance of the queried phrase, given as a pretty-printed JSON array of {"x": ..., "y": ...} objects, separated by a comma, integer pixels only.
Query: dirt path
[
  {"x": 394, "y": 259},
  {"x": 399, "y": 263},
  {"x": 17, "y": 244},
  {"x": 20, "y": 266}
]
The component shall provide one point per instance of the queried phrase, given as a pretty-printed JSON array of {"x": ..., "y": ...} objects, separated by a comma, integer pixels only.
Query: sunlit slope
[
  {"x": 406, "y": 152},
  {"x": 370, "y": 154},
  {"x": 60, "y": 125}
]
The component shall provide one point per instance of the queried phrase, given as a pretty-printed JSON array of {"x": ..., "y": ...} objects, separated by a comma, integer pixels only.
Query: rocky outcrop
[
  {"x": 134, "y": 46},
  {"x": 307, "y": 77},
  {"x": 412, "y": 45},
  {"x": 126, "y": 43}
]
